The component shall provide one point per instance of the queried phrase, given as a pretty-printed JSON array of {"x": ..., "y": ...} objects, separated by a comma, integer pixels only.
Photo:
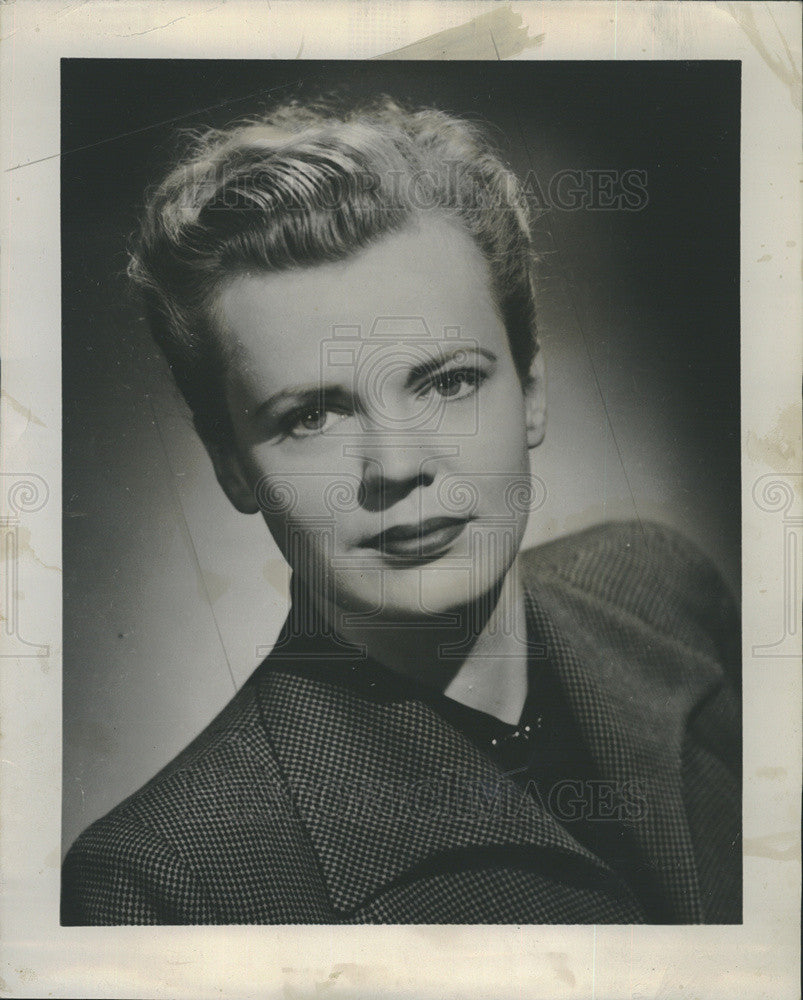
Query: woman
[{"x": 447, "y": 730}]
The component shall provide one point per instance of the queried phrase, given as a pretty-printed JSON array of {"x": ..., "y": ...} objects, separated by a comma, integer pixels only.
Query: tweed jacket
[{"x": 319, "y": 797}]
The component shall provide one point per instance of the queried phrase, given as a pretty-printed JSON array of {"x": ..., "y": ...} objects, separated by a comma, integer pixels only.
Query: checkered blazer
[{"x": 318, "y": 796}]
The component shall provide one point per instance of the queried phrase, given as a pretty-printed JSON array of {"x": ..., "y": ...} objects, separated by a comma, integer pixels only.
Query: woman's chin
[{"x": 427, "y": 593}]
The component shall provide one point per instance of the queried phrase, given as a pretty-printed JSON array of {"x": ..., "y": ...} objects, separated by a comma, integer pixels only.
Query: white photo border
[{"x": 757, "y": 959}]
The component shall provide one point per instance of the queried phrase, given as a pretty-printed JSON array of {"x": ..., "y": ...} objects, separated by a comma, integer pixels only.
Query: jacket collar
[
  {"x": 382, "y": 782},
  {"x": 632, "y": 690}
]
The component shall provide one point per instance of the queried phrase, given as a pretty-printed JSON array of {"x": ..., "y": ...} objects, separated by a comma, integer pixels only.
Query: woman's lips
[{"x": 418, "y": 541}]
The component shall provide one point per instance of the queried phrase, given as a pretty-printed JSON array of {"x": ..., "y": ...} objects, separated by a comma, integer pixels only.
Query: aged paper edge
[{"x": 757, "y": 959}]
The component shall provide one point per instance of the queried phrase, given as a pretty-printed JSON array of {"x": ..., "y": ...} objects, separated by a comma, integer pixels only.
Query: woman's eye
[
  {"x": 459, "y": 382},
  {"x": 312, "y": 421}
]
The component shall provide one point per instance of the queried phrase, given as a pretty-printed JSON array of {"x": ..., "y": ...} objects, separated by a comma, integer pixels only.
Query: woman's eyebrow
[
  {"x": 299, "y": 396},
  {"x": 316, "y": 395},
  {"x": 428, "y": 367}
]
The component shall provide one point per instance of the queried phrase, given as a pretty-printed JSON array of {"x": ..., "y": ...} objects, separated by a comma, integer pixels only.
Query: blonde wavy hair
[{"x": 309, "y": 183}]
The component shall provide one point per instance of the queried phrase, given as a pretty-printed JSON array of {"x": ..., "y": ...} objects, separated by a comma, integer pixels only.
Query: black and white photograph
[
  {"x": 401, "y": 499},
  {"x": 409, "y": 308}
]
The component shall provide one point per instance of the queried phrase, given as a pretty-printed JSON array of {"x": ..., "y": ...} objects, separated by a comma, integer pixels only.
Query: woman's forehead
[{"x": 427, "y": 283}]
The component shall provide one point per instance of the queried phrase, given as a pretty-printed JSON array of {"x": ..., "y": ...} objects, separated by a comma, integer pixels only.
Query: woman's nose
[{"x": 392, "y": 469}]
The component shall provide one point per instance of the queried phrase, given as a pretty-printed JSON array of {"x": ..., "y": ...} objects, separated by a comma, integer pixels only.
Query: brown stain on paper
[
  {"x": 212, "y": 586},
  {"x": 774, "y": 846},
  {"x": 342, "y": 974},
  {"x": 560, "y": 966},
  {"x": 782, "y": 64},
  {"x": 23, "y": 411},
  {"x": 780, "y": 449},
  {"x": 499, "y": 34},
  {"x": 26, "y": 548},
  {"x": 771, "y": 773}
]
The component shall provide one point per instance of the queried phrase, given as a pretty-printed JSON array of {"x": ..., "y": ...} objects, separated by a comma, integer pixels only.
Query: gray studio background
[{"x": 170, "y": 597}]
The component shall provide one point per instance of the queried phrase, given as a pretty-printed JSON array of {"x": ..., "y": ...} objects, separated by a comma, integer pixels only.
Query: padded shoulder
[
  {"x": 122, "y": 871},
  {"x": 142, "y": 862},
  {"x": 650, "y": 571}
]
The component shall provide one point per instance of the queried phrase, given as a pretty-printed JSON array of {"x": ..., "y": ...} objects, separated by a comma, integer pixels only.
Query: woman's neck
[{"x": 479, "y": 661}]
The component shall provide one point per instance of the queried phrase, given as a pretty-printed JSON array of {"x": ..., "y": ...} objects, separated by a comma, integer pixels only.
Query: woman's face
[{"x": 380, "y": 425}]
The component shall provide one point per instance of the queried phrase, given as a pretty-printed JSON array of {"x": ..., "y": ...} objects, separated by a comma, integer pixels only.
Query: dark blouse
[{"x": 546, "y": 755}]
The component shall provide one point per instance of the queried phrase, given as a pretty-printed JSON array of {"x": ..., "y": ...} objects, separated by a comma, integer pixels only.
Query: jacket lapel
[
  {"x": 383, "y": 783},
  {"x": 631, "y": 690}
]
